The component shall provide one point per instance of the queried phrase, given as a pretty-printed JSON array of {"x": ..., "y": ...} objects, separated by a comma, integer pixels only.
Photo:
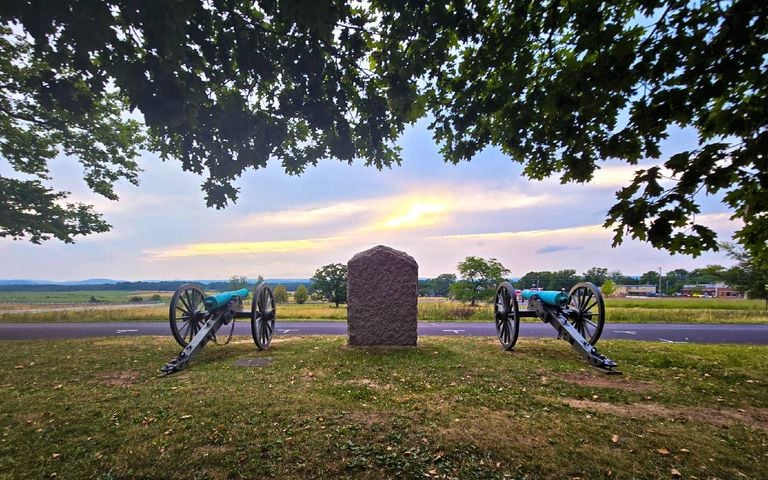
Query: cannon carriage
[
  {"x": 578, "y": 317},
  {"x": 196, "y": 319}
]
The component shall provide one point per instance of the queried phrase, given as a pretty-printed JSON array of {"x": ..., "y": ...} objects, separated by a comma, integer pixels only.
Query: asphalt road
[{"x": 671, "y": 333}]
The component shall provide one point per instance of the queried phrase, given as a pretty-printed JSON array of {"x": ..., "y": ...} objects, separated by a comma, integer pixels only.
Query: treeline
[{"x": 671, "y": 282}]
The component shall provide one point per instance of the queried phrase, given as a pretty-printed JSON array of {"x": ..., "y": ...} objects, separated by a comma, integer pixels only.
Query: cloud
[
  {"x": 418, "y": 207},
  {"x": 556, "y": 248},
  {"x": 242, "y": 248},
  {"x": 315, "y": 215},
  {"x": 592, "y": 230}
]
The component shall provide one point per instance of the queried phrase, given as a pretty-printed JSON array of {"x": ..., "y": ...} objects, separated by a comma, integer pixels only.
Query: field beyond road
[
  {"x": 451, "y": 408},
  {"x": 25, "y": 307}
]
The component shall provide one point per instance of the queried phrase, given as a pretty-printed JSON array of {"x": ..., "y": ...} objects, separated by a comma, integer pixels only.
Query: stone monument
[{"x": 382, "y": 292}]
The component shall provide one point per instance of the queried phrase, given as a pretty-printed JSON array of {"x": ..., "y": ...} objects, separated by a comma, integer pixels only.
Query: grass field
[
  {"x": 65, "y": 298},
  {"x": 452, "y": 408},
  {"x": 618, "y": 310}
]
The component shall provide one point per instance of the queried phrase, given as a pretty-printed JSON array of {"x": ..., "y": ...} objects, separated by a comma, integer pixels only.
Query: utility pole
[{"x": 659, "y": 280}]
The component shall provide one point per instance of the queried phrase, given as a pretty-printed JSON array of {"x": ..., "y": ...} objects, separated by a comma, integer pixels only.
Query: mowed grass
[
  {"x": 618, "y": 310},
  {"x": 451, "y": 408},
  {"x": 80, "y": 297}
]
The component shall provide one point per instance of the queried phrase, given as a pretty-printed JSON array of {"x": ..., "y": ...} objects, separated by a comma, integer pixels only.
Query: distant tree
[
  {"x": 463, "y": 291},
  {"x": 535, "y": 280},
  {"x": 281, "y": 294},
  {"x": 479, "y": 278},
  {"x": 425, "y": 288},
  {"x": 330, "y": 283},
  {"x": 749, "y": 275},
  {"x": 563, "y": 280},
  {"x": 674, "y": 280},
  {"x": 596, "y": 275},
  {"x": 608, "y": 287},
  {"x": 651, "y": 277},
  {"x": 301, "y": 295},
  {"x": 708, "y": 274},
  {"x": 441, "y": 284},
  {"x": 236, "y": 282}
]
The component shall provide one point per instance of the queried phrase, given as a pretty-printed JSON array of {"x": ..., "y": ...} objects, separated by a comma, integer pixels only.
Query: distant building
[
  {"x": 634, "y": 290},
  {"x": 715, "y": 290}
]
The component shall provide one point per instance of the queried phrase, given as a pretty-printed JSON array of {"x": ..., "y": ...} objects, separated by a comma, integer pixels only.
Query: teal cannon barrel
[
  {"x": 550, "y": 297},
  {"x": 220, "y": 299}
]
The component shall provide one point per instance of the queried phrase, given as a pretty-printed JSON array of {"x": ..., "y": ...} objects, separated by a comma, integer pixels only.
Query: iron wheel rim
[
  {"x": 187, "y": 313},
  {"x": 506, "y": 316},
  {"x": 263, "y": 315},
  {"x": 587, "y": 311}
]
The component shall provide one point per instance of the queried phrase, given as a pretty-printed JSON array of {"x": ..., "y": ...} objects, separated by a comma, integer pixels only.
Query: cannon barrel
[
  {"x": 550, "y": 297},
  {"x": 223, "y": 298}
]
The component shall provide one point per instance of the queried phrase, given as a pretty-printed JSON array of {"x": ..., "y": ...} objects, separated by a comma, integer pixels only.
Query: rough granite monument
[{"x": 382, "y": 292}]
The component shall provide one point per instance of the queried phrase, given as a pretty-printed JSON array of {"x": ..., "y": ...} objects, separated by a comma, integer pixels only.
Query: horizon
[{"x": 288, "y": 226}]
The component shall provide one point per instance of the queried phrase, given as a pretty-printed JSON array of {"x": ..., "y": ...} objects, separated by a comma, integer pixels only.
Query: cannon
[
  {"x": 196, "y": 318},
  {"x": 578, "y": 317}
]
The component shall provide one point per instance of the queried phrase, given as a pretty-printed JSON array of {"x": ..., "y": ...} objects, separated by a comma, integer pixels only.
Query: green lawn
[{"x": 452, "y": 408}]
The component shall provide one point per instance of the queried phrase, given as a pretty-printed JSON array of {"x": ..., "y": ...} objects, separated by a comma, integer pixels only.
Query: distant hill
[
  {"x": 96, "y": 284},
  {"x": 90, "y": 281}
]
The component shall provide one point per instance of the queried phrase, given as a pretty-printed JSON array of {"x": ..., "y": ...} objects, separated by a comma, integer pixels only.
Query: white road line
[
  {"x": 286, "y": 330},
  {"x": 628, "y": 332},
  {"x": 669, "y": 341},
  {"x": 455, "y": 331},
  {"x": 127, "y": 330}
]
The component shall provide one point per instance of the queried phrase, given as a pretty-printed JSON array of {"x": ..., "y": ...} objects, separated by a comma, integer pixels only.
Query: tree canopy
[
  {"x": 301, "y": 294},
  {"x": 330, "y": 283},
  {"x": 479, "y": 278},
  {"x": 559, "y": 86},
  {"x": 281, "y": 294}
]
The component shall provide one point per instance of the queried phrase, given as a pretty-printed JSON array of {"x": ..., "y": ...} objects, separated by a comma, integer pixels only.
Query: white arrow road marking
[
  {"x": 128, "y": 330},
  {"x": 286, "y": 330},
  {"x": 669, "y": 341},
  {"x": 628, "y": 332},
  {"x": 455, "y": 331}
]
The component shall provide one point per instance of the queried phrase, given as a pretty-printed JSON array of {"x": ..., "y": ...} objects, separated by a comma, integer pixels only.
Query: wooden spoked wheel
[
  {"x": 187, "y": 312},
  {"x": 506, "y": 315},
  {"x": 263, "y": 316},
  {"x": 586, "y": 311}
]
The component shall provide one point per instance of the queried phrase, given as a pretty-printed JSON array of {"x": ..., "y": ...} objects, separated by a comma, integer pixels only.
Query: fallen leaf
[
  {"x": 663, "y": 451},
  {"x": 56, "y": 387},
  {"x": 684, "y": 450},
  {"x": 675, "y": 473},
  {"x": 615, "y": 439},
  {"x": 184, "y": 417},
  {"x": 56, "y": 455}
]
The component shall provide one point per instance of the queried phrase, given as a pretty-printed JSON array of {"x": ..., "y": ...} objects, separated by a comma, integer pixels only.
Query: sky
[{"x": 287, "y": 226}]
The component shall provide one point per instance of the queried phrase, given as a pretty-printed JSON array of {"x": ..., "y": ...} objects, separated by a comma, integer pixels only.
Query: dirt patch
[
  {"x": 483, "y": 427},
  {"x": 608, "y": 381},
  {"x": 369, "y": 419},
  {"x": 366, "y": 382},
  {"x": 121, "y": 379},
  {"x": 206, "y": 450},
  {"x": 726, "y": 417}
]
